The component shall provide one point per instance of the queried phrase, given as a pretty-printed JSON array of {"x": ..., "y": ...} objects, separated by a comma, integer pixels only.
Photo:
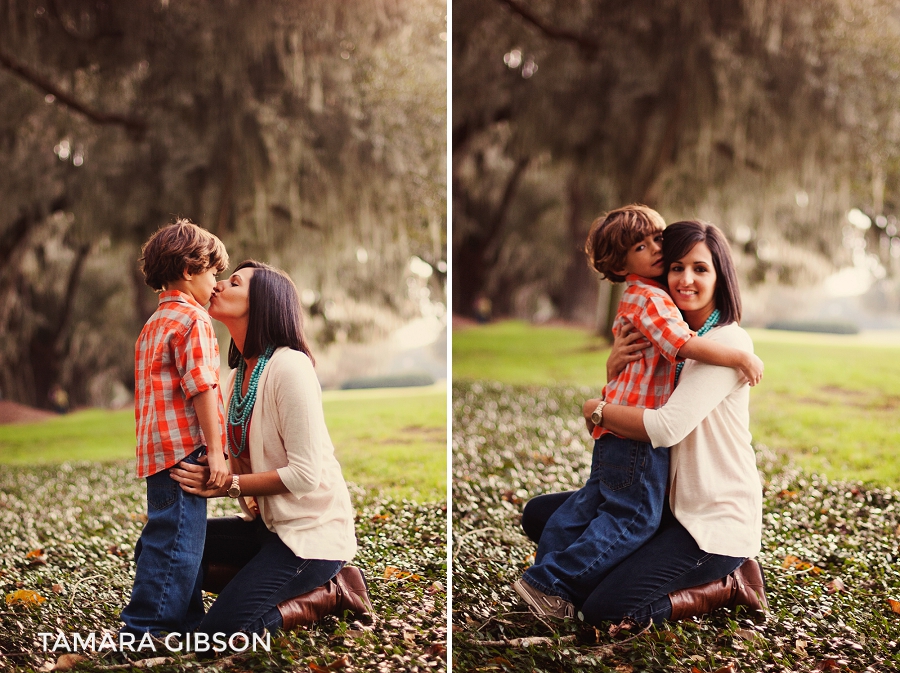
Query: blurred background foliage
[
  {"x": 309, "y": 135},
  {"x": 772, "y": 118}
]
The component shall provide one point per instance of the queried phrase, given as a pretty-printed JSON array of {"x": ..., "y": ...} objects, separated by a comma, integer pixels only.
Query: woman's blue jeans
[
  {"x": 166, "y": 595},
  {"x": 638, "y": 587},
  {"x": 270, "y": 573}
]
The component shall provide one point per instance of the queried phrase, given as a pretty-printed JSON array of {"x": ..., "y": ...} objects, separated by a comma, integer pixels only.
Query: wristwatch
[
  {"x": 234, "y": 491},
  {"x": 597, "y": 414}
]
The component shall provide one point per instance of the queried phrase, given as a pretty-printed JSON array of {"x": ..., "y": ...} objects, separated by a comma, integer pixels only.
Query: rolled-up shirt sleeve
[
  {"x": 701, "y": 389},
  {"x": 196, "y": 358}
]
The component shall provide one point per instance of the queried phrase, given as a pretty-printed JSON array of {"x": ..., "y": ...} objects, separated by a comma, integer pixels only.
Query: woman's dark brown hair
[
  {"x": 275, "y": 315},
  {"x": 680, "y": 238}
]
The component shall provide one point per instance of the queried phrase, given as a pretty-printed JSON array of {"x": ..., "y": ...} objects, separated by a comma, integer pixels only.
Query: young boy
[
  {"x": 179, "y": 414},
  {"x": 620, "y": 506}
]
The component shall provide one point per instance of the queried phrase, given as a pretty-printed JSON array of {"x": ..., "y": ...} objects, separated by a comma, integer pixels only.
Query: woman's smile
[{"x": 692, "y": 284}]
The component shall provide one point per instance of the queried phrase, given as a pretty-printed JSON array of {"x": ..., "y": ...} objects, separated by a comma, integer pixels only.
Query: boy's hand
[
  {"x": 752, "y": 368},
  {"x": 218, "y": 472},
  {"x": 626, "y": 348}
]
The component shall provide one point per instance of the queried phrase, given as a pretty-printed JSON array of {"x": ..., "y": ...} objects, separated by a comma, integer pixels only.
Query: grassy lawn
[
  {"x": 381, "y": 438},
  {"x": 830, "y": 551},
  {"x": 828, "y": 403},
  {"x": 68, "y": 529}
]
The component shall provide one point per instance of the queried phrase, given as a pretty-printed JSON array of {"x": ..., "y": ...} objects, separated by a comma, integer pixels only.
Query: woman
[
  {"x": 296, "y": 533},
  {"x": 701, "y": 556}
]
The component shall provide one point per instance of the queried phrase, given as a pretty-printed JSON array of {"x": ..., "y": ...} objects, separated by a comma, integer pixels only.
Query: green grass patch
[
  {"x": 390, "y": 440},
  {"x": 827, "y": 403},
  {"x": 92, "y": 434},
  {"x": 516, "y": 352},
  {"x": 512, "y": 443}
]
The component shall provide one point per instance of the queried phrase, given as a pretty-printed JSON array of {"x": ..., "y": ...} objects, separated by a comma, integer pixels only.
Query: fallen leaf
[
  {"x": 624, "y": 668},
  {"x": 827, "y": 665},
  {"x": 36, "y": 557},
  {"x": 796, "y": 563},
  {"x": 436, "y": 649},
  {"x": 434, "y": 588},
  {"x": 694, "y": 669},
  {"x": 835, "y": 585},
  {"x": 510, "y": 496},
  {"x": 895, "y": 605},
  {"x": 502, "y": 661},
  {"x": 729, "y": 668},
  {"x": 666, "y": 636},
  {"x": 25, "y": 597},
  {"x": 391, "y": 572},
  {"x": 339, "y": 663},
  {"x": 67, "y": 662},
  {"x": 58, "y": 589},
  {"x": 315, "y": 668},
  {"x": 409, "y": 636}
]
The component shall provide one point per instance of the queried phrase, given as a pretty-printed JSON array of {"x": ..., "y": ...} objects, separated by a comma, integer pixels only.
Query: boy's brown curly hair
[
  {"x": 177, "y": 247},
  {"x": 614, "y": 233}
]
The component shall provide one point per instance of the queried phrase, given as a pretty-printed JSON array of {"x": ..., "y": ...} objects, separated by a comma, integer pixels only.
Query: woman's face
[
  {"x": 692, "y": 282},
  {"x": 231, "y": 298}
]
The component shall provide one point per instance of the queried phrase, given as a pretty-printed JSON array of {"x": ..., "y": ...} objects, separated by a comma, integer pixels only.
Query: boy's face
[
  {"x": 644, "y": 258},
  {"x": 200, "y": 285}
]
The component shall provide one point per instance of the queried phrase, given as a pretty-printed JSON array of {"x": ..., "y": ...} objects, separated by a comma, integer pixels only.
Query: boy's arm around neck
[{"x": 712, "y": 353}]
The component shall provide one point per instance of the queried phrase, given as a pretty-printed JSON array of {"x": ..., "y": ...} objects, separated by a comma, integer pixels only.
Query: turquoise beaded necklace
[
  {"x": 711, "y": 322},
  {"x": 240, "y": 408}
]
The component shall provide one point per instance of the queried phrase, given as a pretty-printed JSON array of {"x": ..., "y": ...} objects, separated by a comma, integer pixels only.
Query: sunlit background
[
  {"x": 779, "y": 122},
  {"x": 311, "y": 136}
]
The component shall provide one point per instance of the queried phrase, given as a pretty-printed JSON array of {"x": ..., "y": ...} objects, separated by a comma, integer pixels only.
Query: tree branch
[
  {"x": 133, "y": 124},
  {"x": 586, "y": 43}
]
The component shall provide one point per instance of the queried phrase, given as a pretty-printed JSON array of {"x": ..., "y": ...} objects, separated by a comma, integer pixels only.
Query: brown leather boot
[
  {"x": 745, "y": 586},
  {"x": 216, "y": 576},
  {"x": 346, "y": 591},
  {"x": 310, "y": 607},
  {"x": 353, "y": 593}
]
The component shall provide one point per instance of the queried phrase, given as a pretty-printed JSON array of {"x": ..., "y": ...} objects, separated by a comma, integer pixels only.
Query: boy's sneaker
[{"x": 543, "y": 604}]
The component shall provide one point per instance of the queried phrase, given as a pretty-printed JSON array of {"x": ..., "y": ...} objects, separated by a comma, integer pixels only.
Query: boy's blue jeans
[
  {"x": 639, "y": 586},
  {"x": 166, "y": 595},
  {"x": 614, "y": 513}
]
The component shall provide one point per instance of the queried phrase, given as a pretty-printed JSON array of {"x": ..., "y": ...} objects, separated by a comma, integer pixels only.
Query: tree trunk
[
  {"x": 478, "y": 253},
  {"x": 577, "y": 300}
]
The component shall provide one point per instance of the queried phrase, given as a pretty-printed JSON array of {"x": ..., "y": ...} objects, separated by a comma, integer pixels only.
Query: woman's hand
[
  {"x": 193, "y": 479},
  {"x": 626, "y": 347},
  {"x": 586, "y": 410}
]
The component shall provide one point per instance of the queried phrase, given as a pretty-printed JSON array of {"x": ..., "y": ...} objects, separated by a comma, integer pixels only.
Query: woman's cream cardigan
[
  {"x": 288, "y": 434},
  {"x": 715, "y": 490}
]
